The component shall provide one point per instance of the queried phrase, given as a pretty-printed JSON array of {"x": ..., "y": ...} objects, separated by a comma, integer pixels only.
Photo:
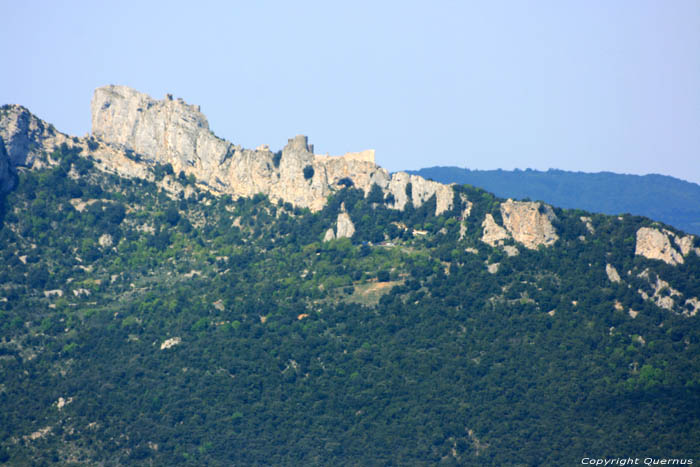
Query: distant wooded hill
[{"x": 659, "y": 197}]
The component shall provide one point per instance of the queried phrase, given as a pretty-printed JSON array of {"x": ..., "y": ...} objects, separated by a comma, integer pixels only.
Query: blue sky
[{"x": 576, "y": 85}]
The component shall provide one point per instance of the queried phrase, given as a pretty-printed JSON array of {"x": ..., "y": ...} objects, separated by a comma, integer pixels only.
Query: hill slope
[
  {"x": 148, "y": 320},
  {"x": 660, "y": 197}
]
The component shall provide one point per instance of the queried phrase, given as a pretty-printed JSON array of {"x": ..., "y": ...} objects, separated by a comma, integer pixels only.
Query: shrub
[{"x": 308, "y": 172}]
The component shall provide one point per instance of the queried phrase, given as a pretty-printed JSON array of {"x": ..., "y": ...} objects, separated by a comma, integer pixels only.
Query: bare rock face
[
  {"x": 612, "y": 273},
  {"x": 654, "y": 244},
  {"x": 663, "y": 295},
  {"x": 329, "y": 235},
  {"x": 171, "y": 131},
  {"x": 420, "y": 191},
  {"x": 106, "y": 240},
  {"x": 169, "y": 343},
  {"x": 6, "y": 176},
  {"x": 530, "y": 223},
  {"x": 344, "y": 226},
  {"x": 686, "y": 244},
  {"x": 27, "y": 139},
  {"x": 511, "y": 250},
  {"x": 26, "y": 136},
  {"x": 494, "y": 234}
]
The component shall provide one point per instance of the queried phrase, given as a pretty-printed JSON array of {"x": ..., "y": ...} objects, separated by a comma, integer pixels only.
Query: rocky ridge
[
  {"x": 658, "y": 244},
  {"x": 29, "y": 141},
  {"x": 6, "y": 175},
  {"x": 527, "y": 222},
  {"x": 132, "y": 131},
  {"x": 172, "y": 132}
]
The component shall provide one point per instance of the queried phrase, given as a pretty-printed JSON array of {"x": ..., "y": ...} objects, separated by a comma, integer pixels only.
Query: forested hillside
[
  {"x": 659, "y": 197},
  {"x": 142, "y": 327}
]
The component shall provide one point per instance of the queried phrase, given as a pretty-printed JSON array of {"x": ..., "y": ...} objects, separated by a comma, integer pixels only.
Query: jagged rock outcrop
[
  {"x": 654, "y": 244},
  {"x": 686, "y": 244},
  {"x": 530, "y": 223},
  {"x": 344, "y": 226},
  {"x": 171, "y": 131},
  {"x": 421, "y": 190},
  {"x": 511, "y": 250},
  {"x": 329, "y": 235},
  {"x": 29, "y": 141},
  {"x": 613, "y": 275},
  {"x": 663, "y": 295},
  {"x": 25, "y": 136},
  {"x": 170, "y": 343},
  {"x": 131, "y": 131},
  {"x": 6, "y": 175},
  {"x": 493, "y": 234}
]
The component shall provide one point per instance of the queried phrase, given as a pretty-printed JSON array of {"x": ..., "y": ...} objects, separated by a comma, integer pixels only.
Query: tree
[
  {"x": 308, "y": 172},
  {"x": 172, "y": 215},
  {"x": 376, "y": 195}
]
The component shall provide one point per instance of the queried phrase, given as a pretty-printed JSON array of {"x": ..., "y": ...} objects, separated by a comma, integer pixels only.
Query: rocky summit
[
  {"x": 132, "y": 132},
  {"x": 171, "y": 131},
  {"x": 168, "y": 297}
]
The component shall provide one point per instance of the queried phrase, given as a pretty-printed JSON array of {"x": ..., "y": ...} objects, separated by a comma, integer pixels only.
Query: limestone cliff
[
  {"x": 493, "y": 233},
  {"x": 171, "y": 131},
  {"x": 26, "y": 136},
  {"x": 529, "y": 223},
  {"x": 612, "y": 273},
  {"x": 6, "y": 176},
  {"x": 344, "y": 226},
  {"x": 653, "y": 243},
  {"x": 29, "y": 141}
]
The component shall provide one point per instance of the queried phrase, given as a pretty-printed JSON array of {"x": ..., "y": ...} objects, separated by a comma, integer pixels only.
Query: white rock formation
[
  {"x": 511, "y": 250},
  {"x": 172, "y": 342},
  {"x": 81, "y": 292},
  {"x": 105, "y": 240},
  {"x": 132, "y": 131},
  {"x": 686, "y": 244},
  {"x": 612, "y": 273},
  {"x": 6, "y": 176},
  {"x": 655, "y": 244},
  {"x": 462, "y": 230},
  {"x": 494, "y": 234},
  {"x": 329, "y": 235},
  {"x": 663, "y": 295},
  {"x": 421, "y": 190},
  {"x": 171, "y": 131},
  {"x": 62, "y": 402},
  {"x": 692, "y": 306},
  {"x": 27, "y": 139},
  {"x": 344, "y": 226},
  {"x": 530, "y": 223}
]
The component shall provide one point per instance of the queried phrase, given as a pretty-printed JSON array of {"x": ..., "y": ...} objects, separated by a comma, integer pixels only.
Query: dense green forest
[
  {"x": 659, "y": 197},
  {"x": 141, "y": 328}
]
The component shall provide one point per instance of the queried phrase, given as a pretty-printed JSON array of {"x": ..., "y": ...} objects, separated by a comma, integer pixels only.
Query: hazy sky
[{"x": 576, "y": 85}]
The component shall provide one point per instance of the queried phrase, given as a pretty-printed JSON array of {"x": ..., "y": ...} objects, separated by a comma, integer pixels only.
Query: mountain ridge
[
  {"x": 171, "y": 131},
  {"x": 148, "y": 319}
]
